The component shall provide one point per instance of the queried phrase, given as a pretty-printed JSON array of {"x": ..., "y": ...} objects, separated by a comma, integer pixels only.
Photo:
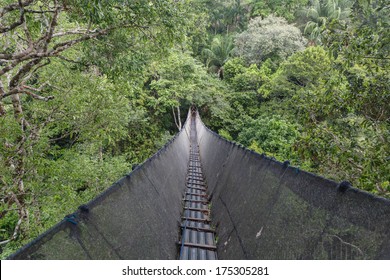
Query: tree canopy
[{"x": 271, "y": 37}]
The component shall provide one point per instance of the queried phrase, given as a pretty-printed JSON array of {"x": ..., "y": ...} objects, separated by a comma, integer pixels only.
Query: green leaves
[
  {"x": 271, "y": 37},
  {"x": 306, "y": 69},
  {"x": 274, "y": 135},
  {"x": 250, "y": 78},
  {"x": 320, "y": 14},
  {"x": 335, "y": 110},
  {"x": 219, "y": 52},
  {"x": 281, "y": 8},
  {"x": 180, "y": 79}
]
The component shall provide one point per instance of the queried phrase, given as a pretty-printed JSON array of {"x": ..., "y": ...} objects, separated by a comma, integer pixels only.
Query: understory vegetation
[{"x": 90, "y": 88}]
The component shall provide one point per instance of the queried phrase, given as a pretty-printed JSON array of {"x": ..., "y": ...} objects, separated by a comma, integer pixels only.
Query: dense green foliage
[
  {"x": 320, "y": 14},
  {"x": 270, "y": 37},
  {"x": 86, "y": 96}
]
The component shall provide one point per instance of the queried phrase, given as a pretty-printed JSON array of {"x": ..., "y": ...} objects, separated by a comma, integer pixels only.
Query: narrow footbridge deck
[{"x": 197, "y": 239}]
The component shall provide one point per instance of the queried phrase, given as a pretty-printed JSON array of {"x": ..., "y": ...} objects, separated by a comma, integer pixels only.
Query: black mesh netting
[
  {"x": 264, "y": 209},
  {"x": 261, "y": 208},
  {"x": 136, "y": 218}
]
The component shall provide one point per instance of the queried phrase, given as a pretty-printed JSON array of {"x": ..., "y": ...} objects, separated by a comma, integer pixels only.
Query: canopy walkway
[{"x": 203, "y": 197}]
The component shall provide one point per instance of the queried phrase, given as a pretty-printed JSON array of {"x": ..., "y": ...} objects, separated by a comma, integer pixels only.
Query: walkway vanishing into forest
[
  {"x": 202, "y": 196},
  {"x": 197, "y": 239}
]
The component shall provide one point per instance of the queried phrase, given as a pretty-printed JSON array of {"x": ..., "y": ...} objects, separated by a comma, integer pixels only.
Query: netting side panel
[
  {"x": 266, "y": 210},
  {"x": 52, "y": 247},
  {"x": 136, "y": 218}
]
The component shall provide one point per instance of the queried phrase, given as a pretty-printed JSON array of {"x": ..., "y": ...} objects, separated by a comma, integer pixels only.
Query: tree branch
[
  {"x": 20, "y": 5},
  {"x": 22, "y": 71},
  {"x": 22, "y": 215},
  {"x": 53, "y": 24},
  {"x": 36, "y": 69},
  {"x": 39, "y": 12},
  {"x": 15, "y": 234},
  {"x": 23, "y": 89},
  {"x": 28, "y": 34},
  {"x": 9, "y": 67},
  {"x": 14, "y": 6},
  {"x": 72, "y": 32},
  {"x": 34, "y": 95},
  {"x": 15, "y": 24},
  {"x": 58, "y": 48}
]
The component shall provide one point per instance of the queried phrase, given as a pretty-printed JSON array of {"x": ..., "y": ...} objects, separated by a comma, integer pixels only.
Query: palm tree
[
  {"x": 218, "y": 54},
  {"x": 320, "y": 13}
]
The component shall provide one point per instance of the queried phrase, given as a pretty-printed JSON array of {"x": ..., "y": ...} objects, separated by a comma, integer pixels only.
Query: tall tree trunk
[
  {"x": 178, "y": 117},
  {"x": 174, "y": 116}
]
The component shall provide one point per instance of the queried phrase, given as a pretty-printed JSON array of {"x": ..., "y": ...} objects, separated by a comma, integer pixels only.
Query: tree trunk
[
  {"x": 174, "y": 116},
  {"x": 178, "y": 117},
  {"x": 18, "y": 111},
  {"x": 220, "y": 73}
]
